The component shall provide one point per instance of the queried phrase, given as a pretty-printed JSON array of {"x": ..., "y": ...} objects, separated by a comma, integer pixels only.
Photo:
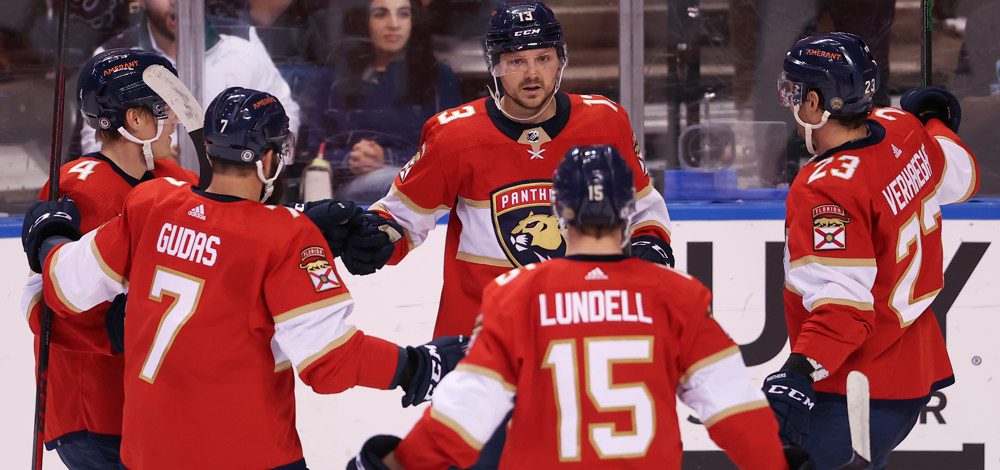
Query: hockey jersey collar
[
  {"x": 216, "y": 197},
  {"x": 876, "y": 133},
  {"x": 125, "y": 176},
  {"x": 597, "y": 258},
  {"x": 552, "y": 126}
]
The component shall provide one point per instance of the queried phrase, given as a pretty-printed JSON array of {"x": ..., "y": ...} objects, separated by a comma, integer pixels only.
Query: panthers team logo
[
  {"x": 524, "y": 224},
  {"x": 320, "y": 271},
  {"x": 830, "y": 227}
]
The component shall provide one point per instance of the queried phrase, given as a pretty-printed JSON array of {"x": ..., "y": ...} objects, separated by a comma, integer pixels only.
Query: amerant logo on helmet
[
  {"x": 130, "y": 65},
  {"x": 263, "y": 102},
  {"x": 824, "y": 54}
]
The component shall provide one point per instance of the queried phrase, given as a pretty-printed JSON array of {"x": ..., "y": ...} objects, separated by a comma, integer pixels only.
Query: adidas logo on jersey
[
  {"x": 896, "y": 151},
  {"x": 198, "y": 212},
  {"x": 595, "y": 275}
]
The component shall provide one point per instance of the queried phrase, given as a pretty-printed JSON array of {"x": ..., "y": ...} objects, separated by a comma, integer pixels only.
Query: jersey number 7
[
  {"x": 600, "y": 356},
  {"x": 186, "y": 291}
]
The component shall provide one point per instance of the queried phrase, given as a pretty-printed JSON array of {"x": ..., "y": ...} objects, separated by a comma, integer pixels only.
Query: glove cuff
[{"x": 404, "y": 370}]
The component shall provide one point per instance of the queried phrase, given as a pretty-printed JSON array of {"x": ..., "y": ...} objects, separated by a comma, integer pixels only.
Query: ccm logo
[{"x": 527, "y": 32}]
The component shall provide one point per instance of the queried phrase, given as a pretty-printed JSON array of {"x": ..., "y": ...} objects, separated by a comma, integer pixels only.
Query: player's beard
[{"x": 527, "y": 107}]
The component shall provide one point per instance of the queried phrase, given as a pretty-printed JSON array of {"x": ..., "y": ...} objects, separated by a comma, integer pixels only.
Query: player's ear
[{"x": 812, "y": 101}]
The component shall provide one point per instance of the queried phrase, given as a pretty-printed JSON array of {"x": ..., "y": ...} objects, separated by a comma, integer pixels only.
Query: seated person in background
[
  {"x": 977, "y": 84},
  {"x": 372, "y": 177},
  {"x": 229, "y": 60},
  {"x": 389, "y": 86}
]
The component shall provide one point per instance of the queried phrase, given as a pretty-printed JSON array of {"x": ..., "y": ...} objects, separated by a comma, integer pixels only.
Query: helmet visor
[
  {"x": 523, "y": 61},
  {"x": 789, "y": 91}
]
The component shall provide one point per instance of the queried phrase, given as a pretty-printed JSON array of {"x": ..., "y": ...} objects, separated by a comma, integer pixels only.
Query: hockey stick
[
  {"x": 188, "y": 111},
  {"x": 926, "y": 15},
  {"x": 857, "y": 417},
  {"x": 55, "y": 158}
]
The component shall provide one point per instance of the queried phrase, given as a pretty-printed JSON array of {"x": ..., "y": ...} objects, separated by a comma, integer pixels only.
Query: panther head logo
[{"x": 537, "y": 230}]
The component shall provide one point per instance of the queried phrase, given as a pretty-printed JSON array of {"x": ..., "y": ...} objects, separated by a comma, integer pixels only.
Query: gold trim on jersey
[
  {"x": 972, "y": 164},
  {"x": 644, "y": 192},
  {"x": 470, "y": 258},
  {"x": 487, "y": 372},
  {"x": 792, "y": 289},
  {"x": 31, "y": 304},
  {"x": 850, "y": 303},
  {"x": 732, "y": 410},
  {"x": 827, "y": 261},
  {"x": 308, "y": 308},
  {"x": 457, "y": 428},
  {"x": 104, "y": 266},
  {"x": 709, "y": 360},
  {"x": 475, "y": 203},
  {"x": 282, "y": 366},
  {"x": 648, "y": 223},
  {"x": 330, "y": 347},
  {"x": 394, "y": 191},
  {"x": 55, "y": 284}
]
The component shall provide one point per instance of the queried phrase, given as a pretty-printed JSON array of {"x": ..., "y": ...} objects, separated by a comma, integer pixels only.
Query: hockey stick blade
[
  {"x": 188, "y": 111},
  {"x": 857, "y": 416}
]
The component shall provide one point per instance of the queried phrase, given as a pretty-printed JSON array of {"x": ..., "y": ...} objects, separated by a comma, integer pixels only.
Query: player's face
[
  {"x": 389, "y": 25},
  {"x": 529, "y": 77},
  {"x": 162, "y": 16}
]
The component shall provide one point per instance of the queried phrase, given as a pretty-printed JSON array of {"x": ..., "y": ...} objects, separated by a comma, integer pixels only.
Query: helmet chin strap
[
  {"x": 810, "y": 146},
  {"x": 147, "y": 147},
  {"x": 496, "y": 98},
  {"x": 268, "y": 182}
]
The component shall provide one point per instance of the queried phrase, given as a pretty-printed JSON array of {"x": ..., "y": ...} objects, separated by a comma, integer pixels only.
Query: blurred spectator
[
  {"x": 977, "y": 83},
  {"x": 372, "y": 177},
  {"x": 229, "y": 60},
  {"x": 390, "y": 84}
]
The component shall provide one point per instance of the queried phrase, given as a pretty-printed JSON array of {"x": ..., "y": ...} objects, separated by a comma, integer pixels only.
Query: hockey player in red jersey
[
  {"x": 84, "y": 399},
  {"x": 589, "y": 351},
  {"x": 863, "y": 258},
  {"x": 226, "y": 296},
  {"x": 489, "y": 165}
]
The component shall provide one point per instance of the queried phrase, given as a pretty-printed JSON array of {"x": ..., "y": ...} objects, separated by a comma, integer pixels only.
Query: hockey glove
[
  {"x": 931, "y": 102},
  {"x": 114, "y": 322},
  {"x": 791, "y": 396},
  {"x": 371, "y": 243},
  {"x": 650, "y": 248},
  {"x": 372, "y": 453},
  {"x": 334, "y": 219},
  {"x": 798, "y": 458},
  {"x": 427, "y": 364},
  {"x": 48, "y": 219}
]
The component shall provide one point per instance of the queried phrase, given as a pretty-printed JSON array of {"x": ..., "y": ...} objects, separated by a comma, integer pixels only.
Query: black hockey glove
[
  {"x": 932, "y": 102},
  {"x": 371, "y": 243},
  {"x": 372, "y": 453},
  {"x": 48, "y": 219},
  {"x": 650, "y": 248},
  {"x": 334, "y": 219},
  {"x": 791, "y": 396},
  {"x": 114, "y": 322},
  {"x": 798, "y": 458},
  {"x": 426, "y": 365}
]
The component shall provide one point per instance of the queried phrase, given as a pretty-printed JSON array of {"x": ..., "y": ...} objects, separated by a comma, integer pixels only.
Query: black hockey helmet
[
  {"x": 837, "y": 65},
  {"x": 593, "y": 186},
  {"x": 517, "y": 25},
  {"x": 110, "y": 83},
  {"x": 242, "y": 124}
]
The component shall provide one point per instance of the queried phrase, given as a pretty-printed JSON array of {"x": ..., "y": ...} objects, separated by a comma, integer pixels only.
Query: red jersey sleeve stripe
[
  {"x": 104, "y": 265},
  {"x": 732, "y": 410},
  {"x": 707, "y": 361},
  {"x": 79, "y": 276}
]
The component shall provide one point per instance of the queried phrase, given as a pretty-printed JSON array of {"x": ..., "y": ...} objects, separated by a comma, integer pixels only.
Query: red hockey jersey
[
  {"x": 864, "y": 260},
  {"x": 225, "y": 295},
  {"x": 494, "y": 178},
  {"x": 595, "y": 348},
  {"x": 84, "y": 381}
]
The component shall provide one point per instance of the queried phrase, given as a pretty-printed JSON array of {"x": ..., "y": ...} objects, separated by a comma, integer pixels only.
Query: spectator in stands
[
  {"x": 977, "y": 84},
  {"x": 388, "y": 86},
  {"x": 372, "y": 178},
  {"x": 229, "y": 60}
]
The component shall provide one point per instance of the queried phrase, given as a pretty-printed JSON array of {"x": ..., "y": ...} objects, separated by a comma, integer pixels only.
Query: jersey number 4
[
  {"x": 186, "y": 292},
  {"x": 600, "y": 356}
]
